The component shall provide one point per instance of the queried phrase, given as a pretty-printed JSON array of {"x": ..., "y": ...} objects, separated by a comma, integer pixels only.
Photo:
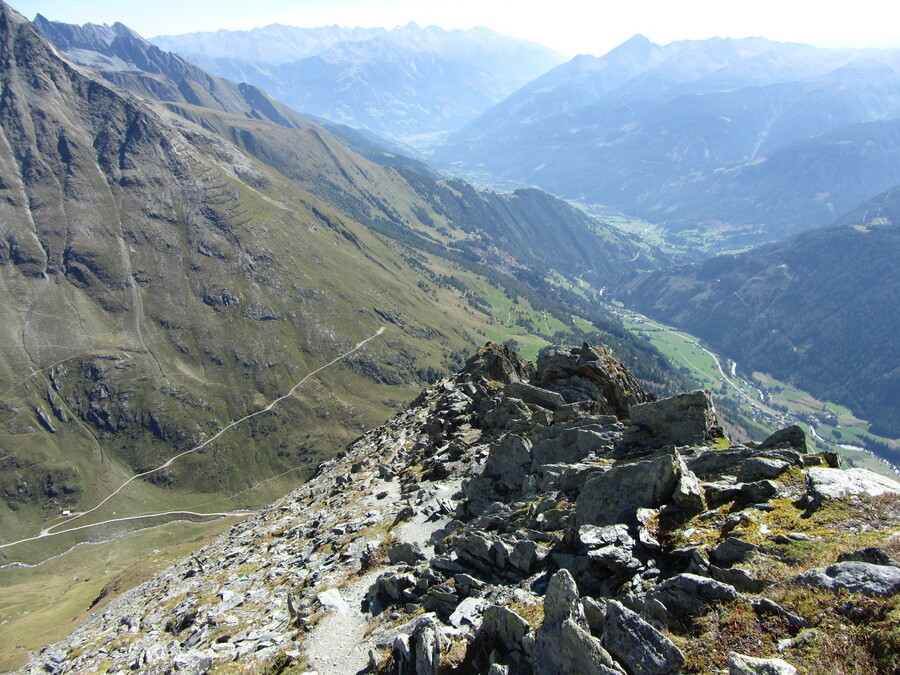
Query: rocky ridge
[{"x": 517, "y": 519}]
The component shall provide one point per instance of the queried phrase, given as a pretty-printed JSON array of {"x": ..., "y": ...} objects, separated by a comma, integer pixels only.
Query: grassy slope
[
  {"x": 39, "y": 605},
  {"x": 181, "y": 285}
]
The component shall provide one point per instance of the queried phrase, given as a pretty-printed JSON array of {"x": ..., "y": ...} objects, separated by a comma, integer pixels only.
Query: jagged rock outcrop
[{"x": 479, "y": 532}]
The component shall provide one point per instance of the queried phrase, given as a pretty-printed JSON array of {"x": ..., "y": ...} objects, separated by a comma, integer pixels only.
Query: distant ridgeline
[{"x": 746, "y": 140}]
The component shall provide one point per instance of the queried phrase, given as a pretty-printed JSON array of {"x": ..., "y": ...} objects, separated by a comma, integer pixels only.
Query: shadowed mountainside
[{"x": 817, "y": 309}]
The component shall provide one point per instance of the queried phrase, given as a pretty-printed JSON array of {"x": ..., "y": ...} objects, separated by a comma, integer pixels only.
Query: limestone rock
[
  {"x": 504, "y": 625},
  {"x": 526, "y": 555},
  {"x": 331, "y": 599},
  {"x": 758, "y": 492},
  {"x": 636, "y": 644},
  {"x": 593, "y": 374},
  {"x": 508, "y": 463},
  {"x": 560, "y": 598},
  {"x": 825, "y": 483},
  {"x": 790, "y": 437},
  {"x": 420, "y": 652},
  {"x": 732, "y": 550},
  {"x": 610, "y": 546},
  {"x": 739, "y": 664},
  {"x": 565, "y": 648},
  {"x": 685, "y": 419},
  {"x": 614, "y": 496},
  {"x": 742, "y": 580},
  {"x": 561, "y": 645},
  {"x": 499, "y": 363},
  {"x": 685, "y": 595},
  {"x": 405, "y": 552},
  {"x": 688, "y": 495},
  {"x": 469, "y": 611},
  {"x": 536, "y": 395},
  {"x": 759, "y": 468},
  {"x": 856, "y": 577}
]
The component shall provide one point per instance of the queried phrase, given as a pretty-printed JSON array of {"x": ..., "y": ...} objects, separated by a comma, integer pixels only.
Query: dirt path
[{"x": 337, "y": 645}]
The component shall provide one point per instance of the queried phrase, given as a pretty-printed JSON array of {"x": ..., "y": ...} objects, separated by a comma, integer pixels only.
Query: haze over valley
[{"x": 228, "y": 256}]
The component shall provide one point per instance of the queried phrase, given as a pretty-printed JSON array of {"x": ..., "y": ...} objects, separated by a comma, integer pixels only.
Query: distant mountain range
[
  {"x": 748, "y": 140},
  {"x": 819, "y": 309},
  {"x": 753, "y": 138},
  {"x": 398, "y": 83}
]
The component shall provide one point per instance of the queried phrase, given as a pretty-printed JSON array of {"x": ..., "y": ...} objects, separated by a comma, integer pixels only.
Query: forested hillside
[{"x": 818, "y": 309}]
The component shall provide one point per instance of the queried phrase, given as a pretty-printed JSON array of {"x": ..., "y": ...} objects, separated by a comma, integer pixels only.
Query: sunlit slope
[{"x": 158, "y": 283}]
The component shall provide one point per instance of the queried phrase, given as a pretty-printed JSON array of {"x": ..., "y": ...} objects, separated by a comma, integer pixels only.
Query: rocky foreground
[{"x": 549, "y": 520}]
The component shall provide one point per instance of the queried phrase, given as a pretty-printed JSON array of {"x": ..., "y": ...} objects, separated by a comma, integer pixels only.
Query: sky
[{"x": 568, "y": 26}]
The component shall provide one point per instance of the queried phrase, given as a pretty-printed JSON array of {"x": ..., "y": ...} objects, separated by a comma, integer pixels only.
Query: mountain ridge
[
  {"x": 535, "y": 518},
  {"x": 661, "y": 132},
  {"x": 399, "y": 83}
]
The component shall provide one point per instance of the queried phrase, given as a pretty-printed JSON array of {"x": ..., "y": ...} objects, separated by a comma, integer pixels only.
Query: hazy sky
[{"x": 569, "y": 26}]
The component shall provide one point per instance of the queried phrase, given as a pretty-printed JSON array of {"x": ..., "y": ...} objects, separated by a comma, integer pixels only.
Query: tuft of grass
[
  {"x": 280, "y": 664},
  {"x": 533, "y": 613},
  {"x": 731, "y": 627}
]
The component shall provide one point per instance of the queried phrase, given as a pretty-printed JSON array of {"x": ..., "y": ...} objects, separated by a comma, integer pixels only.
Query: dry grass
[{"x": 851, "y": 634}]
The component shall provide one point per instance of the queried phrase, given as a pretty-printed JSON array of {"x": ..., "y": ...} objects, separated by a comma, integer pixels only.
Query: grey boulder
[
  {"x": 856, "y": 577},
  {"x": 616, "y": 495},
  {"x": 405, "y": 552},
  {"x": 504, "y": 625},
  {"x": 562, "y": 646},
  {"x": 636, "y": 644},
  {"x": 738, "y": 664},
  {"x": 685, "y": 595},
  {"x": 760, "y": 468},
  {"x": 824, "y": 483},
  {"x": 685, "y": 419}
]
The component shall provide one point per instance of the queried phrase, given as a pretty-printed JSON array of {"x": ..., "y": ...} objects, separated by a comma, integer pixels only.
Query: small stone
[
  {"x": 738, "y": 664},
  {"x": 469, "y": 611},
  {"x": 760, "y": 468},
  {"x": 405, "y": 552},
  {"x": 731, "y": 551},
  {"x": 688, "y": 495},
  {"x": 759, "y": 491},
  {"x": 790, "y": 437}
]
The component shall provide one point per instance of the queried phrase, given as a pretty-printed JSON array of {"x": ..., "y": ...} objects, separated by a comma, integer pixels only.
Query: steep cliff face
[{"x": 547, "y": 519}]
